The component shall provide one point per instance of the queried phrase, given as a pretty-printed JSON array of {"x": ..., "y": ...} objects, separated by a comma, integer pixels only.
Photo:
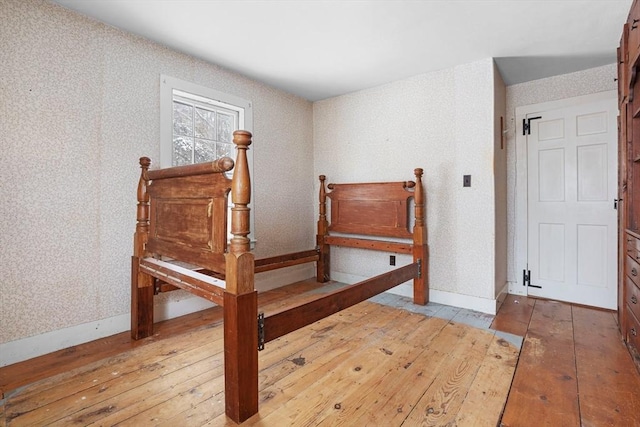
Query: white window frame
[{"x": 170, "y": 85}]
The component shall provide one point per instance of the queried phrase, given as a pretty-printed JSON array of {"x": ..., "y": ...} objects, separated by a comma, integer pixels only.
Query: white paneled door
[{"x": 572, "y": 222}]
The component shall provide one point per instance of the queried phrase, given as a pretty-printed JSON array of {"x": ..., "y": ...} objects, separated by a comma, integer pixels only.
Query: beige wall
[
  {"x": 500, "y": 182},
  {"x": 442, "y": 122},
  {"x": 79, "y": 105}
]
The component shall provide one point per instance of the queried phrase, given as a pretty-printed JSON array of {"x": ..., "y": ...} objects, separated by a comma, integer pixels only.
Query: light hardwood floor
[{"x": 370, "y": 365}]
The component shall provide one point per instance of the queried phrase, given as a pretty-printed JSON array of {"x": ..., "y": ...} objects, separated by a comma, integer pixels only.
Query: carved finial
[
  {"x": 242, "y": 138},
  {"x": 145, "y": 162}
]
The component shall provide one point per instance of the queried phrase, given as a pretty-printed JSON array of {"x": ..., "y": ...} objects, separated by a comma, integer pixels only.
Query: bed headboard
[
  {"x": 371, "y": 209},
  {"x": 183, "y": 210}
]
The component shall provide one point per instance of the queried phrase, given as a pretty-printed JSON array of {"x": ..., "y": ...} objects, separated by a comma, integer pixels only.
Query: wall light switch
[{"x": 466, "y": 180}]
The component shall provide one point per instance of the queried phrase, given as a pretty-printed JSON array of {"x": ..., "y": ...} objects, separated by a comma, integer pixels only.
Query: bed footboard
[{"x": 375, "y": 211}]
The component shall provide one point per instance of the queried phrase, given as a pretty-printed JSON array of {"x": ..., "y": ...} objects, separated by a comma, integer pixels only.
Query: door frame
[{"x": 521, "y": 177}]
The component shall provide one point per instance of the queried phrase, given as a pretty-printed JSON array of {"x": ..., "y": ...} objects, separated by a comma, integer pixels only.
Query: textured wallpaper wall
[
  {"x": 79, "y": 106},
  {"x": 443, "y": 123},
  {"x": 586, "y": 82}
]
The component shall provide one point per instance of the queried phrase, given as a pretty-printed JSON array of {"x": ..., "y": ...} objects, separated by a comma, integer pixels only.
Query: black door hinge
[
  {"x": 526, "y": 125},
  {"x": 526, "y": 279}
]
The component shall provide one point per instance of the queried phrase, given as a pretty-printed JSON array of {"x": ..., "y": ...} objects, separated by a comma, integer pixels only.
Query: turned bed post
[
  {"x": 323, "y": 264},
  {"x": 141, "y": 283},
  {"x": 240, "y": 298},
  {"x": 420, "y": 247}
]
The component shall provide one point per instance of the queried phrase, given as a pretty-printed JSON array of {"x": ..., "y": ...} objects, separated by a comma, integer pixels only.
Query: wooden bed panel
[
  {"x": 188, "y": 219},
  {"x": 185, "y": 230},
  {"x": 183, "y": 220},
  {"x": 372, "y": 209}
]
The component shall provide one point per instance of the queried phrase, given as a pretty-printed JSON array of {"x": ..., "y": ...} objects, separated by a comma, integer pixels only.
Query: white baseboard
[
  {"x": 27, "y": 348},
  {"x": 483, "y": 305},
  {"x": 16, "y": 351}
]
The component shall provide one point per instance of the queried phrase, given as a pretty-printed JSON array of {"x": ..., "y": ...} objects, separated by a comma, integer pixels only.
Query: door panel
[
  {"x": 552, "y": 252},
  {"x": 551, "y": 175}
]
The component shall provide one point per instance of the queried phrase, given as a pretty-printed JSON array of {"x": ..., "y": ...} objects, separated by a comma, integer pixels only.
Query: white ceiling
[{"x": 323, "y": 48}]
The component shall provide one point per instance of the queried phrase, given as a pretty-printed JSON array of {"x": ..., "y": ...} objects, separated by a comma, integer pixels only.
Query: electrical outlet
[
  {"x": 466, "y": 180},
  {"x": 392, "y": 260}
]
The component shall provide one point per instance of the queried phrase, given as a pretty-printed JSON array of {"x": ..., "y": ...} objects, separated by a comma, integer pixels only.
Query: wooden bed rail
[
  {"x": 223, "y": 164},
  {"x": 261, "y": 265},
  {"x": 288, "y": 260},
  {"x": 376, "y": 245},
  {"x": 279, "y": 324},
  {"x": 177, "y": 277}
]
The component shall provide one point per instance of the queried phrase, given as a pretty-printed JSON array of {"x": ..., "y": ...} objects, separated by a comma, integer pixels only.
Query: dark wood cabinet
[
  {"x": 633, "y": 23},
  {"x": 631, "y": 292},
  {"x": 629, "y": 181}
]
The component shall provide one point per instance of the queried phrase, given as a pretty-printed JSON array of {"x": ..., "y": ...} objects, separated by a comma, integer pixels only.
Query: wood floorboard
[
  {"x": 514, "y": 315},
  {"x": 326, "y": 357},
  {"x": 394, "y": 401},
  {"x": 99, "y": 388},
  {"x": 372, "y": 364},
  {"x": 544, "y": 390},
  {"x": 608, "y": 385},
  {"x": 488, "y": 392},
  {"x": 442, "y": 399},
  {"x": 325, "y": 386},
  {"x": 391, "y": 376}
]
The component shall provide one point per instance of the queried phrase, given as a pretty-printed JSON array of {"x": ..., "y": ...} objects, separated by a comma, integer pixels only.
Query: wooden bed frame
[{"x": 180, "y": 242}]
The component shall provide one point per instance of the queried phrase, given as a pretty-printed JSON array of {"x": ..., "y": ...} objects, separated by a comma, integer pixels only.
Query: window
[
  {"x": 197, "y": 125},
  {"x": 202, "y": 129},
  {"x": 197, "y": 122}
]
